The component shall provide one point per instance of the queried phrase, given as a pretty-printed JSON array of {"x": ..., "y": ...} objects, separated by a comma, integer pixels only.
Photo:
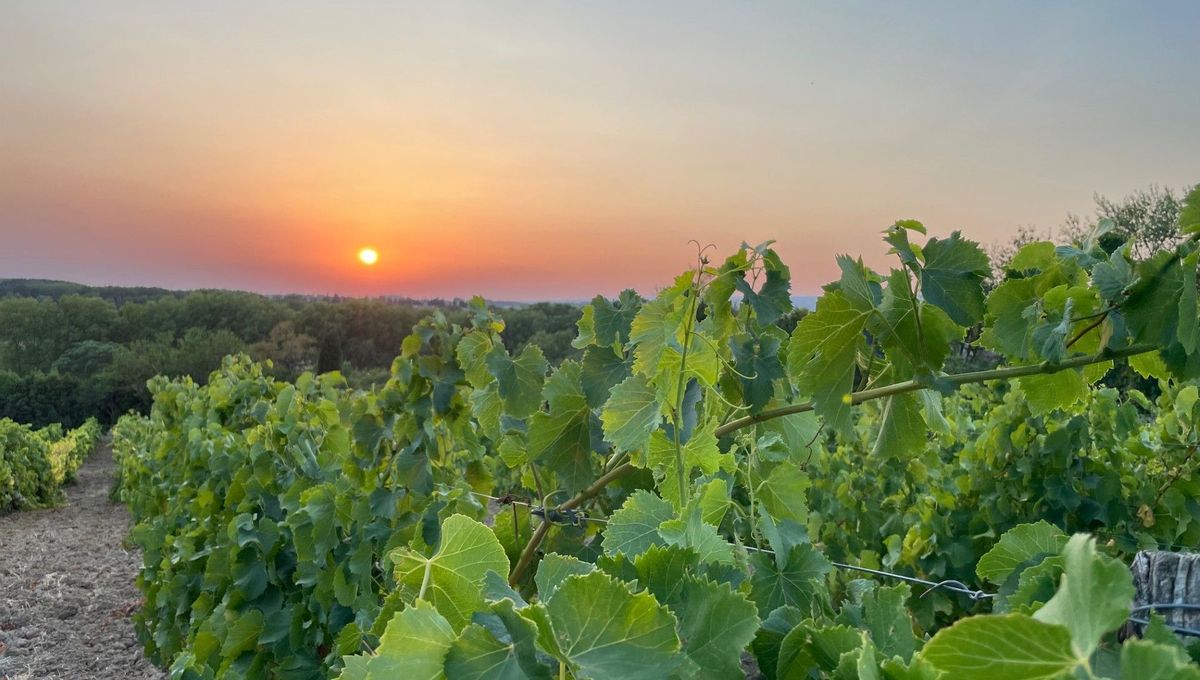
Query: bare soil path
[{"x": 67, "y": 587}]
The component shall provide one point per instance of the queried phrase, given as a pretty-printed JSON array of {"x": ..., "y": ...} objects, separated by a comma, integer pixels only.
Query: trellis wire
[{"x": 950, "y": 585}]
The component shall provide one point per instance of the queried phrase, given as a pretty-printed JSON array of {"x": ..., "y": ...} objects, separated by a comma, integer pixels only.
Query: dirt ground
[{"x": 67, "y": 588}]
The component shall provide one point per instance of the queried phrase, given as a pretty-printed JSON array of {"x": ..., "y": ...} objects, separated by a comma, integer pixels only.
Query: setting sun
[{"x": 368, "y": 256}]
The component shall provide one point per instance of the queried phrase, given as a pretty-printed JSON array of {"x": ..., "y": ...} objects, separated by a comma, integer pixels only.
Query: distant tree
[
  {"x": 291, "y": 352},
  {"x": 1147, "y": 219},
  {"x": 87, "y": 358},
  {"x": 549, "y": 325}
]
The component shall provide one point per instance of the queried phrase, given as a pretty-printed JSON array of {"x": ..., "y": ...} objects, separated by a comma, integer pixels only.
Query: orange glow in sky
[{"x": 540, "y": 150}]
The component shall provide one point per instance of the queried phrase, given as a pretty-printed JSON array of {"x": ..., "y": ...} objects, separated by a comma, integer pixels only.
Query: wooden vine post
[{"x": 1162, "y": 577}]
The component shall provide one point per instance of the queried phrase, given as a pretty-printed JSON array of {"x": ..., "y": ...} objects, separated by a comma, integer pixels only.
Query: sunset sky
[{"x": 536, "y": 150}]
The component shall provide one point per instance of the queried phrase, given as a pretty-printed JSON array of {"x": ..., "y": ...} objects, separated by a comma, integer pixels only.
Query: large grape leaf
[
  {"x": 1146, "y": 660},
  {"x": 519, "y": 380},
  {"x": 605, "y": 631},
  {"x": 811, "y": 644},
  {"x": 661, "y": 570},
  {"x": 631, "y": 414},
  {"x": 888, "y": 621},
  {"x": 554, "y": 569},
  {"x": 952, "y": 277},
  {"x": 699, "y": 452},
  {"x": 472, "y": 354},
  {"x": 1017, "y": 546},
  {"x": 756, "y": 358},
  {"x": 902, "y": 429},
  {"x": 1189, "y": 215},
  {"x": 659, "y": 327},
  {"x": 413, "y": 646},
  {"x": 634, "y": 528},
  {"x": 1006, "y": 647},
  {"x": 560, "y": 439},
  {"x": 689, "y": 530},
  {"x": 771, "y": 300},
  {"x": 603, "y": 369},
  {"x": 1047, "y": 392},
  {"x": 784, "y": 492},
  {"x": 914, "y": 334},
  {"x": 791, "y": 583},
  {"x": 716, "y": 623},
  {"x": 822, "y": 352},
  {"x": 606, "y": 324},
  {"x": 453, "y": 577},
  {"x": 1094, "y": 597},
  {"x": 500, "y": 646}
]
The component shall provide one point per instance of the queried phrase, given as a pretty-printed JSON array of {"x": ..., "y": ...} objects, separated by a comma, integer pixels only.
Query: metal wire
[{"x": 950, "y": 585}]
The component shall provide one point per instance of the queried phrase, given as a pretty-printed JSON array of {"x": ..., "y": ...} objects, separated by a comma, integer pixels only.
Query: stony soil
[{"x": 67, "y": 589}]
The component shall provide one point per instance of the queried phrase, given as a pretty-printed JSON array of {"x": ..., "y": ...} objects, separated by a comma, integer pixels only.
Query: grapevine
[{"x": 309, "y": 530}]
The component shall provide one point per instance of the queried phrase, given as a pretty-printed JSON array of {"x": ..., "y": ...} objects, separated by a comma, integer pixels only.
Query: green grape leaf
[
  {"x": 1017, "y": 546},
  {"x": 719, "y": 291},
  {"x": 1005, "y": 647},
  {"x": 781, "y": 536},
  {"x": 716, "y": 623},
  {"x": 784, "y": 493},
  {"x": 1147, "y": 660},
  {"x": 714, "y": 501},
  {"x": 453, "y": 578},
  {"x": 858, "y": 283},
  {"x": 775, "y": 627},
  {"x": 659, "y": 327},
  {"x": 809, "y": 643},
  {"x": 661, "y": 570},
  {"x": 520, "y": 380},
  {"x": 1189, "y": 215},
  {"x": 631, "y": 414},
  {"x": 554, "y": 569},
  {"x": 1007, "y": 330},
  {"x": 952, "y": 277},
  {"x": 886, "y": 618},
  {"x": 902, "y": 430},
  {"x": 472, "y": 354},
  {"x": 561, "y": 438},
  {"x": 606, "y": 324},
  {"x": 897, "y": 236},
  {"x": 413, "y": 646},
  {"x": 913, "y": 342},
  {"x": 1034, "y": 587},
  {"x": 500, "y": 647},
  {"x": 821, "y": 356},
  {"x": 690, "y": 531},
  {"x": 793, "y": 583},
  {"x": 699, "y": 452},
  {"x": 756, "y": 359},
  {"x": 1094, "y": 597},
  {"x": 603, "y": 630},
  {"x": 1112, "y": 276},
  {"x": 602, "y": 370},
  {"x": 634, "y": 528},
  {"x": 1047, "y": 392},
  {"x": 772, "y": 300},
  {"x": 243, "y": 634},
  {"x": 1036, "y": 256}
]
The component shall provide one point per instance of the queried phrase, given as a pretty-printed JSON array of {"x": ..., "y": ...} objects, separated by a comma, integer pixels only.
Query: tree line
[{"x": 69, "y": 352}]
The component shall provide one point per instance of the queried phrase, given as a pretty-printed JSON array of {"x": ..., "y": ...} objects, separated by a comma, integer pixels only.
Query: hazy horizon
[{"x": 533, "y": 151}]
